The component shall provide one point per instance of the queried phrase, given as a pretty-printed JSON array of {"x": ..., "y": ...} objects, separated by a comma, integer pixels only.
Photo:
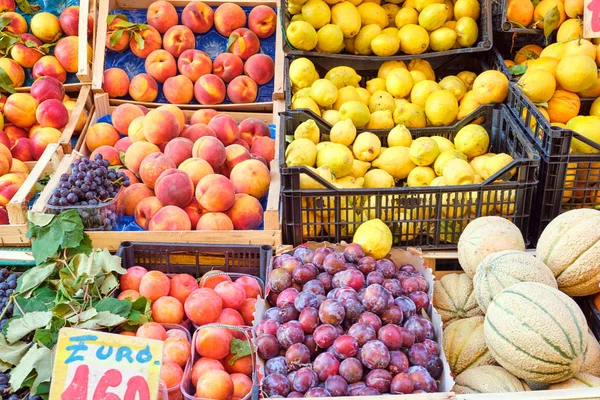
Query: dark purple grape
[
  {"x": 398, "y": 363},
  {"x": 408, "y": 307},
  {"x": 286, "y": 297},
  {"x": 375, "y": 355},
  {"x": 297, "y": 355},
  {"x": 375, "y": 278},
  {"x": 379, "y": 379},
  {"x": 290, "y": 333},
  {"x": 402, "y": 384},
  {"x": 331, "y": 312},
  {"x": 386, "y": 267},
  {"x": 276, "y": 385},
  {"x": 392, "y": 315},
  {"x": 305, "y": 273},
  {"x": 304, "y": 254},
  {"x": 267, "y": 346},
  {"x": 336, "y": 385},
  {"x": 362, "y": 332},
  {"x": 326, "y": 365},
  {"x": 370, "y": 319},
  {"x": 309, "y": 319},
  {"x": 305, "y": 300},
  {"x": 314, "y": 286},
  {"x": 325, "y": 335},
  {"x": 334, "y": 263},
  {"x": 317, "y": 392},
  {"x": 304, "y": 380}
]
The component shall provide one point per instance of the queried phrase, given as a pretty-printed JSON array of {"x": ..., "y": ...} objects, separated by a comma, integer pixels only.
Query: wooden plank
[
  {"x": 431, "y": 257},
  {"x": 84, "y": 68},
  {"x": 279, "y": 77},
  {"x": 562, "y": 394},
  {"x": 82, "y": 105},
  {"x": 14, "y": 235},
  {"x": 20, "y": 256},
  {"x": 264, "y": 106}
]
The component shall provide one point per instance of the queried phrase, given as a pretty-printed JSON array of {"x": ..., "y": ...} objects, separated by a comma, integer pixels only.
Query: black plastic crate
[
  {"x": 197, "y": 259},
  {"x": 508, "y": 44},
  {"x": 484, "y": 40},
  {"x": 428, "y": 217},
  {"x": 591, "y": 314}
]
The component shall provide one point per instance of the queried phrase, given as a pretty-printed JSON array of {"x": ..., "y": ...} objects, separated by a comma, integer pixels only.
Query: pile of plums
[{"x": 345, "y": 324}]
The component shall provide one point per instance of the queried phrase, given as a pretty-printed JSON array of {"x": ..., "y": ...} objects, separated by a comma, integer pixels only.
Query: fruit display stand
[{"x": 211, "y": 42}]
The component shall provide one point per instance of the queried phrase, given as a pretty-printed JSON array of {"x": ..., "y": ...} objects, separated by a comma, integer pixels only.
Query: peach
[
  {"x": 242, "y": 385},
  {"x": 264, "y": 147},
  {"x": 174, "y": 188},
  {"x": 145, "y": 210},
  {"x": 52, "y": 113},
  {"x": 108, "y": 153},
  {"x": 152, "y": 330},
  {"x": 136, "y": 153},
  {"x": 233, "y": 295},
  {"x": 152, "y": 41},
  {"x": 242, "y": 143},
  {"x": 235, "y": 154},
  {"x": 133, "y": 295},
  {"x": 120, "y": 41},
  {"x": 24, "y": 55},
  {"x": 247, "y": 310},
  {"x": 34, "y": 128},
  {"x": 46, "y": 26},
  {"x": 242, "y": 89},
  {"x": 251, "y": 177},
  {"x": 260, "y": 67},
  {"x": 176, "y": 111},
  {"x": 152, "y": 166},
  {"x": 123, "y": 144},
  {"x": 14, "y": 132},
  {"x": 252, "y": 128},
  {"x": 205, "y": 364},
  {"x": 171, "y": 375},
  {"x": 160, "y": 65},
  {"x": 135, "y": 131},
  {"x": 241, "y": 365},
  {"x": 193, "y": 64},
  {"x": 262, "y": 20},
  {"x": 21, "y": 149},
  {"x": 228, "y": 17},
  {"x": 69, "y": 22},
  {"x": 212, "y": 278},
  {"x": 42, "y": 138},
  {"x": 196, "y": 168},
  {"x": 132, "y": 278},
  {"x": 196, "y": 131},
  {"x": 194, "y": 211},
  {"x": 182, "y": 285},
  {"x": 154, "y": 285},
  {"x": 177, "y": 350},
  {"x": 198, "y": 17},
  {"x": 67, "y": 53},
  {"x": 49, "y": 66},
  {"x": 227, "y": 66},
  {"x": 127, "y": 333},
  {"x": 203, "y": 306},
  {"x": 122, "y": 116},
  {"x": 162, "y": 15},
  {"x": 3, "y": 99},
  {"x": 101, "y": 134},
  {"x": 4, "y": 139},
  {"x": 5, "y": 163},
  {"x": 19, "y": 166},
  {"x": 246, "y": 212},
  {"x": 203, "y": 116},
  {"x": 133, "y": 194},
  {"x": 167, "y": 310},
  {"x": 213, "y": 342},
  {"x": 215, "y": 193},
  {"x": 116, "y": 82},
  {"x": 4, "y": 150},
  {"x": 132, "y": 177},
  {"x": 14, "y": 71},
  {"x": 144, "y": 88},
  {"x": 215, "y": 385},
  {"x": 9, "y": 185},
  {"x": 160, "y": 126},
  {"x": 179, "y": 90},
  {"x": 225, "y": 127},
  {"x": 229, "y": 316},
  {"x": 17, "y": 23},
  {"x": 214, "y": 221},
  {"x": 46, "y": 88},
  {"x": 244, "y": 43},
  {"x": 210, "y": 149},
  {"x": 7, "y": 5},
  {"x": 250, "y": 286},
  {"x": 170, "y": 218},
  {"x": 209, "y": 89},
  {"x": 178, "y": 150},
  {"x": 178, "y": 39}
]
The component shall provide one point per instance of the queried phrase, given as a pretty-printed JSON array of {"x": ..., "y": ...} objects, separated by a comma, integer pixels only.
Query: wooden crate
[
  {"x": 84, "y": 104},
  {"x": 103, "y": 10}
]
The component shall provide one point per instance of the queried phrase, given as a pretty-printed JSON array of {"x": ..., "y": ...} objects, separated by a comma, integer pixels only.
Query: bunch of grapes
[
  {"x": 90, "y": 183},
  {"x": 347, "y": 325},
  {"x": 8, "y": 283},
  {"x": 7, "y": 394}
]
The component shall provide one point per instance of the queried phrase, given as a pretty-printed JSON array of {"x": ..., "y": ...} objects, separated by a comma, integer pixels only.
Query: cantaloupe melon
[
  {"x": 488, "y": 379},
  {"x": 536, "y": 332},
  {"x": 570, "y": 247},
  {"x": 591, "y": 360},
  {"x": 578, "y": 381},
  {"x": 506, "y": 268},
  {"x": 464, "y": 345},
  {"x": 484, "y": 236},
  {"x": 453, "y": 298}
]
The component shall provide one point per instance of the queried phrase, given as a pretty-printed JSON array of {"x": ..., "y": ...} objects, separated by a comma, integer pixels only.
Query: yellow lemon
[
  {"x": 588, "y": 127},
  {"x": 391, "y": 30},
  {"x": 441, "y": 108},
  {"x": 421, "y": 91},
  {"x": 433, "y": 16},
  {"x": 573, "y": 8},
  {"x": 418, "y": 76},
  {"x": 308, "y": 103},
  {"x": 423, "y": 151},
  {"x": 371, "y": 13},
  {"x": 410, "y": 115},
  {"x": 467, "y": 105},
  {"x": 301, "y": 93},
  {"x": 381, "y": 119},
  {"x": 308, "y": 130},
  {"x": 323, "y": 92},
  {"x": 366, "y": 147},
  {"x": 438, "y": 181},
  {"x": 472, "y": 140},
  {"x": 421, "y": 4},
  {"x": 467, "y": 8},
  {"x": 385, "y": 45},
  {"x": 458, "y": 172},
  {"x": 357, "y": 111},
  {"x": 422, "y": 65},
  {"x": 391, "y": 10},
  {"x": 343, "y": 76},
  {"x": 579, "y": 47},
  {"x": 347, "y": 93},
  {"x": 443, "y": 143},
  {"x": 362, "y": 41},
  {"x": 444, "y": 157},
  {"x": 496, "y": 163},
  {"x": 555, "y": 50},
  {"x": 337, "y": 157},
  {"x": 306, "y": 182},
  {"x": 399, "y": 82},
  {"x": 364, "y": 95},
  {"x": 331, "y": 116},
  {"x": 449, "y": 9},
  {"x": 396, "y": 161},
  {"x": 593, "y": 91},
  {"x": 420, "y": 176},
  {"x": 538, "y": 85},
  {"x": 381, "y": 100},
  {"x": 346, "y": 16},
  {"x": 478, "y": 163},
  {"x": 343, "y": 132},
  {"x": 406, "y": 16},
  {"x": 387, "y": 66},
  {"x": 442, "y": 39},
  {"x": 595, "y": 108},
  {"x": 317, "y": 13},
  {"x": 399, "y": 136},
  {"x": 375, "y": 84},
  {"x": 301, "y": 35},
  {"x": 466, "y": 31},
  {"x": 378, "y": 178},
  {"x": 468, "y": 78},
  {"x": 569, "y": 30},
  {"x": 414, "y": 39},
  {"x": 297, "y": 17},
  {"x": 576, "y": 73},
  {"x": 375, "y": 237},
  {"x": 490, "y": 87},
  {"x": 454, "y": 85},
  {"x": 301, "y": 152},
  {"x": 359, "y": 168},
  {"x": 330, "y": 39},
  {"x": 546, "y": 63}
]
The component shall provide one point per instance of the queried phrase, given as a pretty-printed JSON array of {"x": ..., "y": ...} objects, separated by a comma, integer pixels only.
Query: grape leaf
[
  {"x": 12, "y": 354},
  {"x": 63, "y": 232},
  {"x": 84, "y": 266},
  {"x": 239, "y": 348},
  {"x": 46, "y": 337},
  {"x": 84, "y": 247},
  {"x": 21, "y": 327},
  {"x": 34, "y": 277},
  {"x": 39, "y": 219},
  {"x": 517, "y": 69},
  {"x": 117, "y": 307},
  {"x": 38, "y": 359},
  {"x": 109, "y": 284},
  {"x": 108, "y": 263},
  {"x": 103, "y": 319},
  {"x": 27, "y": 306}
]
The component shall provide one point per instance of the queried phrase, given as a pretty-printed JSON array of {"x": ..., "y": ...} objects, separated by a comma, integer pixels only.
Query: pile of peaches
[
  {"x": 185, "y": 72},
  {"x": 219, "y": 370},
  {"x": 23, "y": 50},
  {"x": 208, "y": 173}
]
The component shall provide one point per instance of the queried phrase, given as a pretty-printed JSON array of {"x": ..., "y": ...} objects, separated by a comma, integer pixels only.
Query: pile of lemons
[{"x": 370, "y": 27}]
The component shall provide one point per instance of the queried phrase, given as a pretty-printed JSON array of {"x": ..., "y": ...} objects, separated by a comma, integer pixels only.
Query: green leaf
[
  {"x": 108, "y": 263},
  {"x": 232, "y": 38},
  {"x": 31, "y": 44},
  {"x": 123, "y": 24},
  {"x": 544, "y": 104},
  {"x": 117, "y": 307},
  {"x": 12, "y": 354},
  {"x": 5, "y": 82},
  {"x": 39, "y": 219},
  {"x": 109, "y": 284},
  {"x": 34, "y": 277},
  {"x": 551, "y": 21},
  {"x": 112, "y": 17},
  {"x": 38, "y": 359},
  {"x": 84, "y": 316},
  {"x": 139, "y": 40},
  {"x": 21, "y": 327},
  {"x": 5, "y": 366},
  {"x": 84, "y": 266},
  {"x": 25, "y": 7},
  {"x": 84, "y": 247},
  {"x": 103, "y": 319},
  {"x": 116, "y": 37},
  {"x": 46, "y": 337},
  {"x": 46, "y": 295},
  {"x": 63, "y": 232},
  {"x": 69, "y": 222},
  {"x": 122, "y": 157},
  {"x": 27, "y": 306},
  {"x": 239, "y": 348},
  {"x": 517, "y": 69},
  {"x": 4, "y": 22}
]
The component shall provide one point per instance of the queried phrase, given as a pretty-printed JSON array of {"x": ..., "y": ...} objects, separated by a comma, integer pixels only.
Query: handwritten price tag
[
  {"x": 591, "y": 18},
  {"x": 93, "y": 365}
]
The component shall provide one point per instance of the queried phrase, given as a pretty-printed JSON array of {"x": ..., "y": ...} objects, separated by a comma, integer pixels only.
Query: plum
[
  {"x": 345, "y": 346},
  {"x": 317, "y": 392},
  {"x": 331, "y": 312},
  {"x": 325, "y": 278},
  {"x": 336, "y": 385},
  {"x": 309, "y": 341},
  {"x": 393, "y": 286},
  {"x": 276, "y": 365},
  {"x": 407, "y": 305},
  {"x": 276, "y": 385},
  {"x": 422, "y": 379},
  {"x": 309, "y": 319},
  {"x": 398, "y": 363},
  {"x": 375, "y": 277},
  {"x": 325, "y": 335},
  {"x": 392, "y": 315},
  {"x": 334, "y": 263},
  {"x": 367, "y": 264},
  {"x": 305, "y": 300},
  {"x": 267, "y": 326},
  {"x": 369, "y": 318},
  {"x": 290, "y": 333},
  {"x": 297, "y": 355},
  {"x": 391, "y": 336},
  {"x": 280, "y": 279},
  {"x": 418, "y": 354},
  {"x": 351, "y": 369},
  {"x": 305, "y": 273},
  {"x": 290, "y": 264},
  {"x": 303, "y": 254},
  {"x": 353, "y": 309},
  {"x": 304, "y": 380},
  {"x": 287, "y": 296},
  {"x": 314, "y": 286},
  {"x": 386, "y": 267},
  {"x": 375, "y": 355},
  {"x": 288, "y": 313},
  {"x": 379, "y": 379},
  {"x": 320, "y": 254},
  {"x": 421, "y": 300},
  {"x": 354, "y": 253},
  {"x": 267, "y": 346},
  {"x": 435, "y": 367},
  {"x": 376, "y": 298},
  {"x": 349, "y": 278},
  {"x": 326, "y": 365},
  {"x": 362, "y": 332},
  {"x": 402, "y": 384}
]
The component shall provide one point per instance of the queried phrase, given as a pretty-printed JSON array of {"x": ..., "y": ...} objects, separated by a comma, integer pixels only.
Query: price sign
[
  {"x": 92, "y": 365},
  {"x": 591, "y": 18}
]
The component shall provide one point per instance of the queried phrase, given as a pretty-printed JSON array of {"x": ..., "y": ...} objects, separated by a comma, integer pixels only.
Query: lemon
[
  {"x": 381, "y": 119},
  {"x": 468, "y": 78},
  {"x": 406, "y": 16},
  {"x": 423, "y": 151},
  {"x": 343, "y": 76},
  {"x": 473, "y": 140},
  {"x": 421, "y": 91},
  {"x": 330, "y": 39},
  {"x": 441, "y": 108},
  {"x": 454, "y": 85},
  {"x": 323, "y": 92},
  {"x": 364, "y": 95},
  {"x": 317, "y": 13},
  {"x": 308, "y": 103},
  {"x": 555, "y": 50},
  {"x": 442, "y": 39},
  {"x": 410, "y": 115},
  {"x": 322, "y": 145},
  {"x": 444, "y": 157},
  {"x": 467, "y": 8},
  {"x": 538, "y": 85},
  {"x": 350, "y": 182},
  {"x": 477, "y": 163},
  {"x": 308, "y": 130},
  {"x": 399, "y": 82},
  {"x": 422, "y": 65},
  {"x": 357, "y": 111},
  {"x": 458, "y": 172},
  {"x": 346, "y": 16},
  {"x": 420, "y": 176},
  {"x": 331, "y": 116},
  {"x": 378, "y": 179},
  {"x": 496, "y": 163},
  {"x": 302, "y": 35},
  {"x": 595, "y": 108},
  {"x": 421, "y": 4},
  {"x": 343, "y": 132},
  {"x": 375, "y": 84},
  {"x": 362, "y": 41},
  {"x": 381, "y": 100},
  {"x": 385, "y": 45},
  {"x": 433, "y": 16},
  {"x": 399, "y": 136},
  {"x": 297, "y": 17},
  {"x": 366, "y": 147},
  {"x": 391, "y": 30},
  {"x": 400, "y": 102},
  {"x": 438, "y": 181},
  {"x": 301, "y": 93},
  {"x": 579, "y": 47},
  {"x": 490, "y": 87},
  {"x": 569, "y": 30},
  {"x": 372, "y": 13},
  {"x": 414, "y": 39},
  {"x": 301, "y": 152},
  {"x": 418, "y": 76},
  {"x": 391, "y": 10},
  {"x": 576, "y": 73},
  {"x": 387, "y": 66},
  {"x": 546, "y": 63},
  {"x": 443, "y": 143},
  {"x": 301, "y": 73},
  {"x": 347, "y": 93},
  {"x": 359, "y": 168},
  {"x": 375, "y": 237},
  {"x": 306, "y": 182},
  {"x": 337, "y": 157},
  {"x": 588, "y": 127},
  {"x": 349, "y": 45},
  {"x": 395, "y": 161},
  {"x": 450, "y": 10},
  {"x": 467, "y": 31}
]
